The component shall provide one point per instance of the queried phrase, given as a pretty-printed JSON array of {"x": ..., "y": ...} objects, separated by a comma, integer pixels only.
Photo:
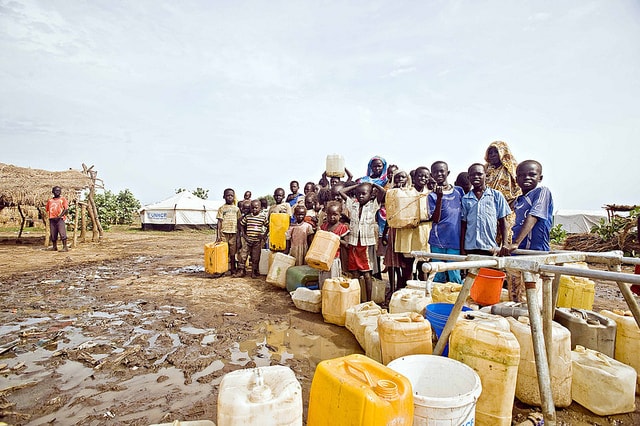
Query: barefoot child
[
  {"x": 299, "y": 235},
  {"x": 57, "y": 208},
  {"x": 333, "y": 224},
  {"x": 253, "y": 229},
  {"x": 228, "y": 216}
]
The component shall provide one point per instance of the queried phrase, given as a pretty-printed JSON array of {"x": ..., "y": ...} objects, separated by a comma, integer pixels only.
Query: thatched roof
[{"x": 32, "y": 187}]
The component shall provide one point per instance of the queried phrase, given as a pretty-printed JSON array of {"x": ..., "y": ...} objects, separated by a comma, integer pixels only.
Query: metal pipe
[
  {"x": 547, "y": 313},
  {"x": 455, "y": 313},
  {"x": 628, "y": 297},
  {"x": 425, "y": 255},
  {"x": 591, "y": 273},
  {"x": 631, "y": 260},
  {"x": 542, "y": 365},
  {"x": 448, "y": 266}
]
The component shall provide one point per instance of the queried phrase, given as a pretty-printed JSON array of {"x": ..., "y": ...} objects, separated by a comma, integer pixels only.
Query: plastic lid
[{"x": 386, "y": 389}]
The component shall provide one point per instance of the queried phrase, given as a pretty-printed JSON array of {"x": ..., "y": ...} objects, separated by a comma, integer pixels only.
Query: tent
[
  {"x": 579, "y": 221},
  {"x": 182, "y": 211}
]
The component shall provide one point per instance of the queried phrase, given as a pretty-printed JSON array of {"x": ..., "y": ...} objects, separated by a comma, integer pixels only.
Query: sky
[{"x": 161, "y": 95}]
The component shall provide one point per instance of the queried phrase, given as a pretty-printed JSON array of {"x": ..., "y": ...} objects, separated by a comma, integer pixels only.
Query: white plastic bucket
[{"x": 445, "y": 391}]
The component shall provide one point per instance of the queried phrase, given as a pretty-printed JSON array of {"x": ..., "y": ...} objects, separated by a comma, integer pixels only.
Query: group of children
[{"x": 453, "y": 220}]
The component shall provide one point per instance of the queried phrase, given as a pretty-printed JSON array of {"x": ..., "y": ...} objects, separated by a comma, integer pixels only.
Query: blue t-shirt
[
  {"x": 482, "y": 218},
  {"x": 446, "y": 233},
  {"x": 539, "y": 203}
]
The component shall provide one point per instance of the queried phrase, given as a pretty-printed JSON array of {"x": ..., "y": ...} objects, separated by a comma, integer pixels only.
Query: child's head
[
  {"x": 256, "y": 207},
  {"x": 400, "y": 179},
  {"x": 334, "y": 210},
  {"x": 278, "y": 195},
  {"x": 364, "y": 193},
  {"x": 299, "y": 212},
  {"x": 264, "y": 203},
  {"x": 421, "y": 177},
  {"x": 476, "y": 175},
  {"x": 56, "y": 191},
  {"x": 245, "y": 206},
  {"x": 391, "y": 171},
  {"x": 528, "y": 175},
  {"x": 440, "y": 172},
  {"x": 376, "y": 167},
  {"x": 247, "y": 195},
  {"x": 311, "y": 201},
  {"x": 309, "y": 187},
  {"x": 333, "y": 180},
  {"x": 463, "y": 181},
  {"x": 294, "y": 186},
  {"x": 335, "y": 191},
  {"x": 229, "y": 196}
]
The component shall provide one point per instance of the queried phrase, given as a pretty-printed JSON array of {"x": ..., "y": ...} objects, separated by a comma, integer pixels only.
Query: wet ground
[{"x": 132, "y": 331}]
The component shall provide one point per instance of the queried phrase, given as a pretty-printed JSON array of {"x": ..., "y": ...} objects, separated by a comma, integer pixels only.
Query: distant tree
[
  {"x": 116, "y": 209},
  {"x": 198, "y": 192}
]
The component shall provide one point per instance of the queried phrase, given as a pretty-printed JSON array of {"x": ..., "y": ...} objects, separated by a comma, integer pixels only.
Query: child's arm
[
  {"x": 502, "y": 229},
  {"x": 435, "y": 217},
  {"x": 529, "y": 223},
  {"x": 463, "y": 231},
  {"x": 385, "y": 233},
  {"x": 380, "y": 192},
  {"x": 324, "y": 182},
  {"x": 344, "y": 192},
  {"x": 349, "y": 175},
  {"x": 219, "y": 230}
]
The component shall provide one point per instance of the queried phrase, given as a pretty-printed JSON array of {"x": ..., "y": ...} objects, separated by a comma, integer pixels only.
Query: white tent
[
  {"x": 183, "y": 210},
  {"x": 579, "y": 221}
]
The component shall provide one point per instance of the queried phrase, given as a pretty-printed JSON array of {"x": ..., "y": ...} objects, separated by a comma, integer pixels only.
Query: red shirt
[{"x": 55, "y": 206}]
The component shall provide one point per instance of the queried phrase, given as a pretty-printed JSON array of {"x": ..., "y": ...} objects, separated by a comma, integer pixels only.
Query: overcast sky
[{"x": 160, "y": 95}]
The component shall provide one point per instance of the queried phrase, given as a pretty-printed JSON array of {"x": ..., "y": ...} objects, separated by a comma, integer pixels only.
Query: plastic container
[
  {"x": 338, "y": 295},
  {"x": 627, "y": 340},
  {"x": 487, "y": 286},
  {"x": 403, "y": 207},
  {"x": 278, "y": 225},
  {"x": 576, "y": 292},
  {"x": 445, "y": 292},
  {"x": 602, "y": 384},
  {"x": 360, "y": 316},
  {"x": 560, "y": 370},
  {"x": 486, "y": 319},
  {"x": 307, "y": 300},
  {"x": 301, "y": 276},
  {"x": 263, "y": 266},
  {"x": 438, "y": 314},
  {"x": 278, "y": 271},
  {"x": 404, "y": 336},
  {"x": 356, "y": 390},
  {"x": 265, "y": 395},
  {"x": 409, "y": 300},
  {"x": 322, "y": 250},
  {"x": 417, "y": 285},
  {"x": 372, "y": 347},
  {"x": 378, "y": 290},
  {"x": 187, "y": 423},
  {"x": 494, "y": 354},
  {"x": 335, "y": 166},
  {"x": 445, "y": 391},
  {"x": 216, "y": 257},
  {"x": 589, "y": 329}
]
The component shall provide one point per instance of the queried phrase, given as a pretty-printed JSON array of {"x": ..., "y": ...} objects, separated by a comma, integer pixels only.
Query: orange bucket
[{"x": 487, "y": 286}]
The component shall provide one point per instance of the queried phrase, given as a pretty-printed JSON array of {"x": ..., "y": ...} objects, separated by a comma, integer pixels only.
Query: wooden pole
[
  {"x": 47, "y": 228},
  {"x": 74, "y": 244},
  {"x": 83, "y": 222},
  {"x": 22, "y": 222}
]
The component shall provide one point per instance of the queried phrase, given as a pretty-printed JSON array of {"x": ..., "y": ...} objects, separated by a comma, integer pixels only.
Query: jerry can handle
[{"x": 359, "y": 369}]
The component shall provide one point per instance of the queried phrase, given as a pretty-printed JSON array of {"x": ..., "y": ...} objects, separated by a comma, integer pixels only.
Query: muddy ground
[{"x": 132, "y": 331}]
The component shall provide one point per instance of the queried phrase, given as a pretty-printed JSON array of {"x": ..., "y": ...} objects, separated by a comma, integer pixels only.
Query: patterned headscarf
[
  {"x": 382, "y": 180},
  {"x": 502, "y": 178}
]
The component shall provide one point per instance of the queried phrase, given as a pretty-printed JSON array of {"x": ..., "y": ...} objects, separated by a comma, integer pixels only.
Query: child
[
  {"x": 463, "y": 182},
  {"x": 57, "y": 208},
  {"x": 228, "y": 217},
  {"x": 333, "y": 224},
  {"x": 311, "y": 203},
  {"x": 245, "y": 209},
  {"x": 363, "y": 236},
  {"x": 247, "y": 196},
  {"x": 280, "y": 206},
  {"x": 483, "y": 211},
  {"x": 398, "y": 267},
  {"x": 299, "y": 235},
  {"x": 415, "y": 239},
  {"x": 376, "y": 171},
  {"x": 445, "y": 203},
  {"x": 534, "y": 218},
  {"x": 253, "y": 229},
  {"x": 295, "y": 195}
]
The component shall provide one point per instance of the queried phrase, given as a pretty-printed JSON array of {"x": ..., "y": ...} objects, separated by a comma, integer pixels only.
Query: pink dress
[{"x": 298, "y": 233}]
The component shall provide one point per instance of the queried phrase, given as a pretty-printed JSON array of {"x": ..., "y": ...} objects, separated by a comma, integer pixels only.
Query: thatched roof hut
[{"x": 23, "y": 186}]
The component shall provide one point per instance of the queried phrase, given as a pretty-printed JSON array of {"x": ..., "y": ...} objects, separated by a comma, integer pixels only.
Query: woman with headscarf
[{"x": 501, "y": 176}]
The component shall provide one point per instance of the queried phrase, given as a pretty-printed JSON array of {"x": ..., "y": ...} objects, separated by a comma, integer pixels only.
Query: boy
[
  {"x": 280, "y": 206},
  {"x": 445, "y": 203},
  {"x": 534, "y": 217},
  {"x": 333, "y": 224},
  {"x": 363, "y": 237},
  {"x": 483, "y": 211},
  {"x": 228, "y": 217},
  {"x": 253, "y": 229},
  {"x": 57, "y": 208}
]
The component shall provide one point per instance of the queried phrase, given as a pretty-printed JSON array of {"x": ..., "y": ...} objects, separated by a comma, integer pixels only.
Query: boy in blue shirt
[
  {"x": 483, "y": 210},
  {"x": 446, "y": 204},
  {"x": 534, "y": 218}
]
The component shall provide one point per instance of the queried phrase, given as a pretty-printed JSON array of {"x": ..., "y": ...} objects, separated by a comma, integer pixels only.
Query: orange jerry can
[
  {"x": 216, "y": 257},
  {"x": 356, "y": 390}
]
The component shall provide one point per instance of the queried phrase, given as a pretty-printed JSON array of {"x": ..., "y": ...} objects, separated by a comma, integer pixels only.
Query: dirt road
[{"x": 132, "y": 331}]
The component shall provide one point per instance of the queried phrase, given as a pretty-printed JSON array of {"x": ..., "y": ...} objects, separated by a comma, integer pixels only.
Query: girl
[
  {"x": 333, "y": 224},
  {"x": 299, "y": 235}
]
